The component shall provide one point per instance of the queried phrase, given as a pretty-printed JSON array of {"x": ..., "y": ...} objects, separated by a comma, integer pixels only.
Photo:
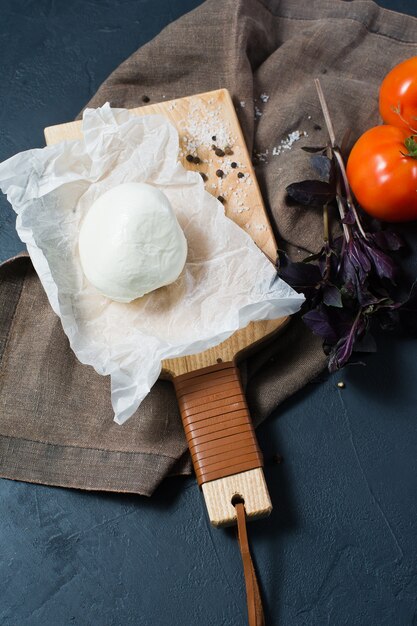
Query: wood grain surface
[{"x": 250, "y": 485}]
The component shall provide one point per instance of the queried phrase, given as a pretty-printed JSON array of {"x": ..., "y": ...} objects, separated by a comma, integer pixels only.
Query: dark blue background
[{"x": 340, "y": 546}]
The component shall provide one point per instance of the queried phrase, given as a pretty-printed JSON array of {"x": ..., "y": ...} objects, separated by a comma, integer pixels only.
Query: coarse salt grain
[
  {"x": 201, "y": 124},
  {"x": 264, "y": 97},
  {"x": 242, "y": 104},
  {"x": 287, "y": 143}
]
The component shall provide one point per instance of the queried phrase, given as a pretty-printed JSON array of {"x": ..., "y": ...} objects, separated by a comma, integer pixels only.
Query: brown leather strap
[
  {"x": 217, "y": 423},
  {"x": 222, "y": 442},
  {"x": 253, "y": 596}
]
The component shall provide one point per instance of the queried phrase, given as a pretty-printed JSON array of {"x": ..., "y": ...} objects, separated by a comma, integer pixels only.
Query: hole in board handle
[{"x": 237, "y": 499}]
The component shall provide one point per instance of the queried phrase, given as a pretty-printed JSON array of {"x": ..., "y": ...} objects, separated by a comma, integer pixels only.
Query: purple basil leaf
[
  {"x": 341, "y": 353},
  {"x": 347, "y": 284},
  {"x": 323, "y": 166},
  {"x": 302, "y": 277},
  {"x": 388, "y": 240},
  {"x": 349, "y": 216},
  {"x": 332, "y": 296},
  {"x": 318, "y": 320},
  {"x": 344, "y": 347},
  {"x": 329, "y": 323},
  {"x": 313, "y": 148},
  {"x": 359, "y": 259},
  {"x": 301, "y": 274},
  {"x": 384, "y": 265},
  {"x": 282, "y": 259},
  {"x": 352, "y": 284},
  {"x": 311, "y": 192},
  {"x": 369, "y": 299}
]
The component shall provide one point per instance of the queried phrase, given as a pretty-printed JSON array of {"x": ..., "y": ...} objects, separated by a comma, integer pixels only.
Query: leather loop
[
  {"x": 217, "y": 423},
  {"x": 253, "y": 595}
]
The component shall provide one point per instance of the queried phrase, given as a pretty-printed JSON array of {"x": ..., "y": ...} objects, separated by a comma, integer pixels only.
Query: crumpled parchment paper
[{"x": 226, "y": 283}]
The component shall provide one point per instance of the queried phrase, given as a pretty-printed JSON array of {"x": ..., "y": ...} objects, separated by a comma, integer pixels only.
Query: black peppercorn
[
  {"x": 203, "y": 176},
  {"x": 233, "y": 164},
  {"x": 145, "y": 98},
  {"x": 221, "y": 199},
  {"x": 214, "y": 138},
  {"x": 196, "y": 160},
  {"x": 219, "y": 173},
  {"x": 190, "y": 158},
  {"x": 240, "y": 174},
  {"x": 219, "y": 152}
]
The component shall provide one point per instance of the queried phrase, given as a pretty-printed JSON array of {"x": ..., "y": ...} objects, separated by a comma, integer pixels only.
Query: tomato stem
[
  {"x": 397, "y": 110},
  {"x": 411, "y": 145}
]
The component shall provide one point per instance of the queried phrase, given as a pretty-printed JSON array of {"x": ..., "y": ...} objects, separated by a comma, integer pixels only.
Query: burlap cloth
[{"x": 56, "y": 422}]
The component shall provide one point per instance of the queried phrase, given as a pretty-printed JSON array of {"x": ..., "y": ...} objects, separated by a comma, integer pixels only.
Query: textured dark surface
[{"x": 340, "y": 546}]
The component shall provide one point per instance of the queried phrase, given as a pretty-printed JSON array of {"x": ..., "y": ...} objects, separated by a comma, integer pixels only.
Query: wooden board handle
[{"x": 222, "y": 441}]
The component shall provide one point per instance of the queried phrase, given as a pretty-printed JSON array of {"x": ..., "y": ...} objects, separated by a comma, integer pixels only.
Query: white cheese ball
[{"x": 130, "y": 242}]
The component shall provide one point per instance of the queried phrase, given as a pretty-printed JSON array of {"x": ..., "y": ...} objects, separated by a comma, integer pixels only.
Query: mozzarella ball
[{"x": 130, "y": 242}]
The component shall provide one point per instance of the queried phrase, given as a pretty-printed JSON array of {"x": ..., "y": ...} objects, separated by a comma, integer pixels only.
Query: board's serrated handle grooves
[{"x": 217, "y": 423}]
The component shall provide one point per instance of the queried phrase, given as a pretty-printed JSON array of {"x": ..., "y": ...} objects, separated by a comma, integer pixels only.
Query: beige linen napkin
[{"x": 56, "y": 422}]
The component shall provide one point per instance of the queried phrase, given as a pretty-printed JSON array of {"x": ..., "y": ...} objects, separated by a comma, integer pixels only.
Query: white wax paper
[{"x": 226, "y": 283}]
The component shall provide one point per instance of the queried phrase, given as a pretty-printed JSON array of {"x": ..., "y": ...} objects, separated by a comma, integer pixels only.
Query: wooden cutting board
[
  {"x": 198, "y": 119},
  {"x": 206, "y": 122}
]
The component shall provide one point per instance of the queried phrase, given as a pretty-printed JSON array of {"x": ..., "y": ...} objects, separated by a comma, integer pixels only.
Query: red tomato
[
  {"x": 382, "y": 179},
  {"x": 399, "y": 91}
]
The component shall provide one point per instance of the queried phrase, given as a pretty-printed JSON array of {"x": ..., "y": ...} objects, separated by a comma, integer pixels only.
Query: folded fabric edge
[
  {"x": 85, "y": 468},
  {"x": 21, "y": 255}
]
